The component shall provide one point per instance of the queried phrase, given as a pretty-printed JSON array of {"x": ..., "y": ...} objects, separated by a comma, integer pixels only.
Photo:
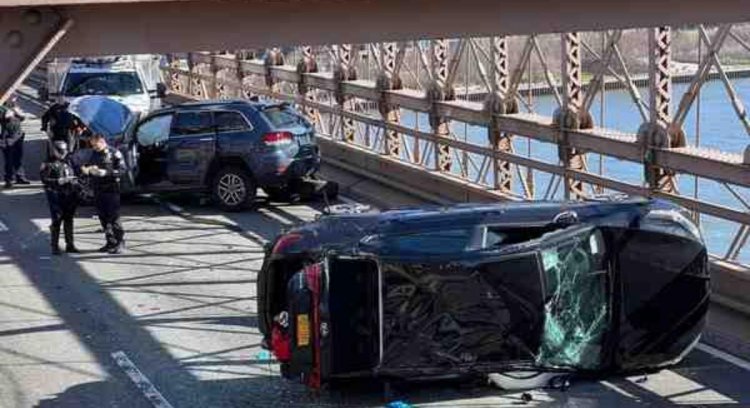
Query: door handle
[{"x": 206, "y": 139}]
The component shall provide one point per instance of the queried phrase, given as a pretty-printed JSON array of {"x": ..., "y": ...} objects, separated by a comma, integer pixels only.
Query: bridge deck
[{"x": 181, "y": 305}]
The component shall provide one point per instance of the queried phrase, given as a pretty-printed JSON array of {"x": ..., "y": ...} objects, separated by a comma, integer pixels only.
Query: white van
[{"x": 134, "y": 81}]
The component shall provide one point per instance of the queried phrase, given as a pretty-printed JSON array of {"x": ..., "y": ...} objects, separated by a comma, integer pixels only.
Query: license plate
[{"x": 303, "y": 330}]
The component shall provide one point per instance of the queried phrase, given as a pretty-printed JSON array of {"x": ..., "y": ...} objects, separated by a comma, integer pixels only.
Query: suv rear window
[
  {"x": 230, "y": 122},
  {"x": 281, "y": 116},
  {"x": 192, "y": 123}
]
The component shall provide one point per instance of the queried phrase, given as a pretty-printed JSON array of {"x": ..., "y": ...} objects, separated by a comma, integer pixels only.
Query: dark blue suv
[{"x": 227, "y": 148}]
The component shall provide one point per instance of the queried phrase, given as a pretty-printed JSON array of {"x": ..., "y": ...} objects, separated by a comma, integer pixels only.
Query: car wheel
[{"x": 233, "y": 189}]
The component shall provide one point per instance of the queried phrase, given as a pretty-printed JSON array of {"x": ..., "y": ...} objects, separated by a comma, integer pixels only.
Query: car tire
[{"x": 233, "y": 189}]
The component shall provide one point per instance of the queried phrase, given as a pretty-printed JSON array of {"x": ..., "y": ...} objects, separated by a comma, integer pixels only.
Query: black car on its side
[{"x": 595, "y": 287}]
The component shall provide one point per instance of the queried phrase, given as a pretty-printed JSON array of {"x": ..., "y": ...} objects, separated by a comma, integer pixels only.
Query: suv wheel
[{"x": 233, "y": 189}]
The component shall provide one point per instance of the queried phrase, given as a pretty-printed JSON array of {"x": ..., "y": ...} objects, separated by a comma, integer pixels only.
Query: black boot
[
  {"x": 69, "y": 245},
  {"x": 55, "y": 238}
]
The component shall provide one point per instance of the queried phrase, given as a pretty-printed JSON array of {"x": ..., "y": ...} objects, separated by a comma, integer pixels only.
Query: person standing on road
[
  {"x": 62, "y": 189},
  {"x": 11, "y": 143},
  {"x": 61, "y": 125},
  {"x": 105, "y": 167}
]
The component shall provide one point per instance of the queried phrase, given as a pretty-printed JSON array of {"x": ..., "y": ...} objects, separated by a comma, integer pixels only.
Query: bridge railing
[{"x": 438, "y": 133}]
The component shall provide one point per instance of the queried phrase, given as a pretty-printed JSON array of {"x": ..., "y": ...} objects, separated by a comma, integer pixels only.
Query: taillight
[
  {"x": 277, "y": 138},
  {"x": 280, "y": 344},
  {"x": 284, "y": 242}
]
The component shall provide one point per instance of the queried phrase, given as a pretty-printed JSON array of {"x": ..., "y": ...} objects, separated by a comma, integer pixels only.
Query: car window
[
  {"x": 192, "y": 123},
  {"x": 154, "y": 131},
  {"x": 577, "y": 304},
  {"x": 280, "y": 116},
  {"x": 230, "y": 122}
]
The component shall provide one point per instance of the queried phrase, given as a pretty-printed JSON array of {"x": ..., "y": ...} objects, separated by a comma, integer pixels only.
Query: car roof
[{"x": 239, "y": 104}]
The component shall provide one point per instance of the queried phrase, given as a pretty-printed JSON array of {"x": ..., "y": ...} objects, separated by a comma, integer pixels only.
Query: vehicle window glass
[
  {"x": 230, "y": 122},
  {"x": 154, "y": 131},
  {"x": 192, "y": 123},
  {"x": 281, "y": 117},
  {"x": 102, "y": 83},
  {"x": 577, "y": 305},
  {"x": 432, "y": 242}
]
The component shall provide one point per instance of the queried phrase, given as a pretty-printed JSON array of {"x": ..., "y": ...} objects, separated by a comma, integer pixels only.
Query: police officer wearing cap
[
  {"x": 106, "y": 166},
  {"x": 61, "y": 125},
  {"x": 11, "y": 143},
  {"x": 62, "y": 190}
]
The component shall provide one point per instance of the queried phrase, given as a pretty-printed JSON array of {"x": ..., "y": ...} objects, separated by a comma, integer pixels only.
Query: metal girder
[
  {"x": 440, "y": 90},
  {"x": 26, "y": 37},
  {"x": 307, "y": 65},
  {"x": 659, "y": 132},
  {"x": 388, "y": 79},
  {"x": 107, "y": 27},
  {"x": 571, "y": 116},
  {"x": 499, "y": 103},
  {"x": 344, "y": 71}
]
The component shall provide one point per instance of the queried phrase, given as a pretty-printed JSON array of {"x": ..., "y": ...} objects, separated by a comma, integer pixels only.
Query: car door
[
  {"x": 191, "y": 147},
  {"x": 147, "y": 151}
]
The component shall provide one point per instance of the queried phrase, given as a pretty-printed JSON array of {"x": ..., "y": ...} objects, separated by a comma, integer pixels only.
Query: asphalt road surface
[{"x": 172, "y": 322}]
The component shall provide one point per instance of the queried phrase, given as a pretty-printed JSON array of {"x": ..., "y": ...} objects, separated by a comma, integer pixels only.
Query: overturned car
[{"x": 591, "y": 287}]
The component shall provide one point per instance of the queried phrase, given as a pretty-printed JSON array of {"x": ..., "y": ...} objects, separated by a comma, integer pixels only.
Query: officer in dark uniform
[
  {"x": 61, "y": 125},
  {"x": 11, "y": 143},
  {"x": 62, "y": 189},
  {"x": 105, "y": 167}
]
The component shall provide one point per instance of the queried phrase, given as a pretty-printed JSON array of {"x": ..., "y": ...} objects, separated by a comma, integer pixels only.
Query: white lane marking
[
  {"x": 724, "y": 356},
  {"x": 174, "y": 207},
  {"x": 140, "y": 380},
  {"x": 617, "y": 389},
  {"x": 3, "y": 227}
]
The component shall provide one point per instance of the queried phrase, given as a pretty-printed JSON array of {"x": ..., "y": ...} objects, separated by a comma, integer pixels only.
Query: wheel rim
[{"x": 231, "y": 189}]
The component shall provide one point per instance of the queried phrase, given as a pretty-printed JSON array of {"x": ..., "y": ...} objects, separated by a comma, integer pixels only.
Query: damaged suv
[{"x": 590, "y": 287}]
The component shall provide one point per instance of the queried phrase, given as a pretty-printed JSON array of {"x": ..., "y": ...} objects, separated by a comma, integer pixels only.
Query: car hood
[{"x": 103, "y": 115}]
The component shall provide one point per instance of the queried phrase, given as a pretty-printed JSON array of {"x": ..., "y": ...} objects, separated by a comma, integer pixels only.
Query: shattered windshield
[{"x": 577, "y": 307}]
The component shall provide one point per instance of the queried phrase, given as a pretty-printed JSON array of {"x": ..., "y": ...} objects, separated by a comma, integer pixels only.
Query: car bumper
[{"x": 295, "y": 169}]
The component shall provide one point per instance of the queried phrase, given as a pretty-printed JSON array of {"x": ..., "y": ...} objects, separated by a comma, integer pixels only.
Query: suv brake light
[{"x": 277, "y": 138}]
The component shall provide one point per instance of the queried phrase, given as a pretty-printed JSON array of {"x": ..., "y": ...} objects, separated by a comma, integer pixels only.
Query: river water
[{"x": 718, "y": 128}]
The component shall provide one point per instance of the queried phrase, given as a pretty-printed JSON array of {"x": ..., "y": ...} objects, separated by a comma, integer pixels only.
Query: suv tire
[{"x": 233, "y": 189}]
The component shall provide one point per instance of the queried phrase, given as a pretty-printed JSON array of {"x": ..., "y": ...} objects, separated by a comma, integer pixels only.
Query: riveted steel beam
[
  {"x": 388, "y": 80},
  {"x": 107, "y": 26},
  {"x": 440, "y": 91},
  {"x": 26, "y": 37},
  {"x": 344, "y": 71},
  {"x": 571, "y": 116},
  {"x": 499, "y": 102},
  {"x": 307, "y": 65},
  {"x": 659, "y": 132}
]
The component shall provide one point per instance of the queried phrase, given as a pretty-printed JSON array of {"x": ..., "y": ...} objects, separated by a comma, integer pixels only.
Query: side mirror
[
  {"x": 566, "y": 218},
  {"x": 161, "y": 90}
]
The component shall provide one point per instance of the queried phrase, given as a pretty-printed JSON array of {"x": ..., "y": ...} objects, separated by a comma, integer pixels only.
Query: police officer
[
  {"x": 105, "y": 167},
  {"x": 11, "y": 143},
  {"x": 61, "y": 125},
  {"x": 62, "y": 189}
]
